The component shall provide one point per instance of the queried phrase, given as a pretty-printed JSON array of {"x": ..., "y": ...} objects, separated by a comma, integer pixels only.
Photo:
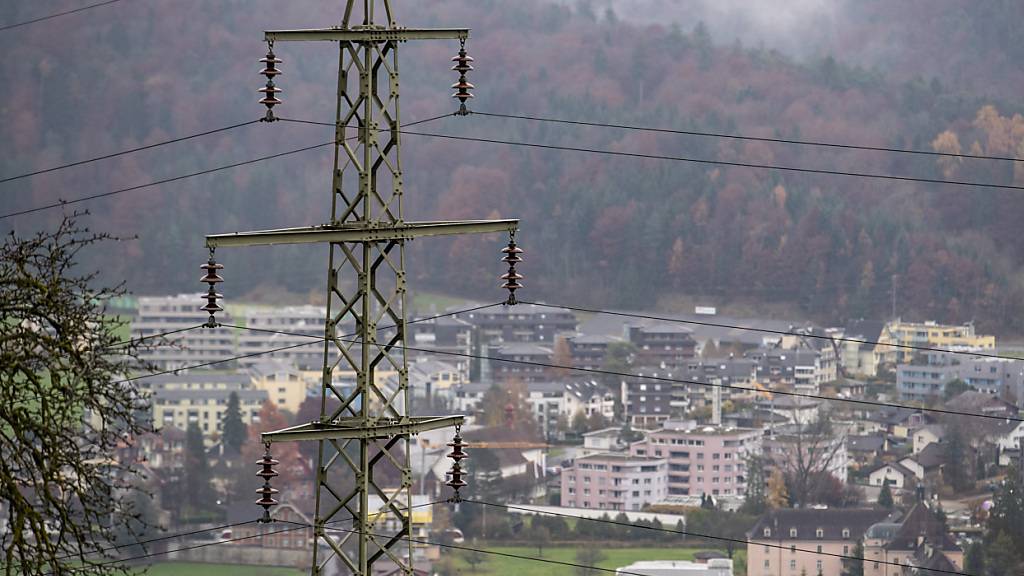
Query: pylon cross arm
[
  {"x": 353, "y": 428},
  {"x": 359, "y": 232},
  {"x": 368, "y": 34}
]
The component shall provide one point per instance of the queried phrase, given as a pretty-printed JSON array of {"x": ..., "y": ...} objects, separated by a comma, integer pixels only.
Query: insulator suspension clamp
[
  {"x": 513, "y": 255},
  {"x": 270, "y": 90},
  {"x": 212, "y": 279},
  {"x": 456, "y": 474},
  {"x": 267, "y": 492},
  {"x": 463, "y": 64}
]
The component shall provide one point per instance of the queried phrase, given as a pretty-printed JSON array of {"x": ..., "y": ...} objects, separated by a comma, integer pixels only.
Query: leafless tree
[{"x": 67, "y": 410}]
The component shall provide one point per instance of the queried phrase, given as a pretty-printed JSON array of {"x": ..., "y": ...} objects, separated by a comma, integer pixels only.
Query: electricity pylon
[{"x": 371, "y": 428}]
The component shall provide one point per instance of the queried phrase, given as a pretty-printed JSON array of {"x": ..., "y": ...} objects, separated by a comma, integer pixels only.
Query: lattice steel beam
[{"x": 368, "y": 434}]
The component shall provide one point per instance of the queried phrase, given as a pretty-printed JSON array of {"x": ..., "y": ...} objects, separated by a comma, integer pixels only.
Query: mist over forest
[{"x": 598, "y": 230}]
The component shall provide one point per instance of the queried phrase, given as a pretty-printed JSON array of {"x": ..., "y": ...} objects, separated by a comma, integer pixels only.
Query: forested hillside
[{"x": 597, "y": 230}]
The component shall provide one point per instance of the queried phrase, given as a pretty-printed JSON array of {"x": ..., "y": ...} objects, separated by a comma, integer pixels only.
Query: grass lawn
[
  {"x": 617, "y": 558},
  {"x": 193, "y": 569}
]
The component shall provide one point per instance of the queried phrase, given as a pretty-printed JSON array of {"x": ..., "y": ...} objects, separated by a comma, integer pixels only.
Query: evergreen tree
[
  {"x": 1007, "y": 514},
  {"x": 234, "y": 432},
  {"x": 854, "y": 566},
  {"x": 885, "y": 497},
  {"x": 958, "y": 460},
  {"x": 198, "y": 491},
  {"x": 974, "y": 559}
]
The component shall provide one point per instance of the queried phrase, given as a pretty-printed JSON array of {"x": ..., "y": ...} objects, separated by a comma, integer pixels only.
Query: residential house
[
  {"x": 918, "y": 540},
  {"x": 667, "y": 345},
  {"x": 858, "y": 355},
  {"x": 926, "y": 435},
  {"x": 512, "y": 361},
  {"x": 894, "y": 474},
  {"x": 589, "y": 351},
  {"x": 202, "y": 398},
  {"x": 865, "y": 451},
  {"x": 285, "y": 385}
]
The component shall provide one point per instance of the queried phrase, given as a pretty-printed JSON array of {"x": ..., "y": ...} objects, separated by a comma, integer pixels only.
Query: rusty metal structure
[{"x": 363, "y": 473}]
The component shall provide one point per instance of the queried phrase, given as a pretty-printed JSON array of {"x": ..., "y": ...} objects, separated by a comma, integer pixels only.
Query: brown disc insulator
[
  {"x": 267, "y": 492},
  {"x": 270, "y": 91},
  {"x": 463, "y": 64},
  {"x": 512, "y": 256},
  {"x": 212, "y": 279},
  {"x": 456, "y": 475}
]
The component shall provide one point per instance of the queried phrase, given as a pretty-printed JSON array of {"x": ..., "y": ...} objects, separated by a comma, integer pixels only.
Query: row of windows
[{"x": 793, "y": 533}]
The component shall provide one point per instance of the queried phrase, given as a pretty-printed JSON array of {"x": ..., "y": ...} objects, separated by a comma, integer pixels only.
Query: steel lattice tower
[{"x": 359, "y": 520}]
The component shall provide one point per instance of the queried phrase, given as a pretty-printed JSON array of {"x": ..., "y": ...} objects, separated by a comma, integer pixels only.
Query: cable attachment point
[
  {"x": 456, "y": 474},
  {"x": 212, "y": 279},
  {"x": 463, "y": 64},
  {"x": 270, "y": 91},
  {"x": 267, "y": 492},
  {"x": 513, "y": 256}
]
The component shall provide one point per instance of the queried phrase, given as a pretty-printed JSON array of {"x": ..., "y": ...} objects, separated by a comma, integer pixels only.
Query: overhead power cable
[
  {"x": 874, "y": 403},
  {"x": 748, "y": 138},
  {"x": 598, "y": 568},
  {"x": 164, "y": 181},
  {"x": 193, "y": 174},
  {"x": 154, "y": 336},
  {"x": 770, "y": 331},
  {"x": 699, "y": 535},
  {"x": 129, "y": 151},
  {"x": 797, "y": 169},
  {"x": 162, "y": 538},
  {"x": 314, "y": 340},
  {"x": 185, "y": 548},
  {"x": 57, "y": 15}
]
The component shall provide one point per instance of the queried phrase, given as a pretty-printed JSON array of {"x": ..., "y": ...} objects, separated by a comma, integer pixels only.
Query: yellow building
[
  {"x": 285, "y": 385},
  {"x": 929, "y": 335},
  {"x": 200, "y": 398}
]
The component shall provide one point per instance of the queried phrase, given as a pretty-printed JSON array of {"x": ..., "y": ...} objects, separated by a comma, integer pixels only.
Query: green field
[
  {"x": 193, "y": 569},
  {"x": 505, "y": 566}
]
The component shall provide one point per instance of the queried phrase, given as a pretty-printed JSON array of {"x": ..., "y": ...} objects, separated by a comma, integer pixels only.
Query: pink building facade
[
  {"x": 614, "y": 481},
  {"x": 702, "y": 460}
]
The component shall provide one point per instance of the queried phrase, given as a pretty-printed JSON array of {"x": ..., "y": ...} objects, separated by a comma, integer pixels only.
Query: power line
[
  {"x": 315, "y": 340},
  {"x": 710, "y": 384},
  {"x": 694, "y": 534},
  {"x": 152, "y": 336},
  {"x": 161, "y": 538},
  {"x": 193, "y": 174},
  {"x": 644, "y": 377},
  {"x": 164, "y": 181},
  {"x": 717, "y": 162},
  {"x": 770, "y": 331},
  {"x": 185, "y": 548},
  {"x": 749, "y": 138},
  {"x": 57, "y": 15},
  {"x": 610, "y": 570},
  {"x": 332, "y": 124},
  {"x": 129, "y": 151}
]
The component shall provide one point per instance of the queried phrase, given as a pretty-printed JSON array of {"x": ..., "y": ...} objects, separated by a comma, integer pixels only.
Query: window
[
  {"x": 818, "y": 566},
  {"x": 846, "y": 533},
  {"x": 792, "y": 564},
  {"x": 846, "y": 550},
  {"x": 792, "y": 532},
  {"x": 819, "y": 548},
  {"x": 767, "y": 533},
  {"x": 767, "y": 563},
  {"x": 819, "y": 533}
]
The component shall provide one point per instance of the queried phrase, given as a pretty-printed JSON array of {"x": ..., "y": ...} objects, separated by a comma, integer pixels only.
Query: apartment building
[
  {"x": 802, "y": 370},
  {"x": 519, "y": 356},
  {"x": 201, "y": 398},
  {"x": 928, "y": 334},
  {"x": 670, "y": 346},
  {"x": 793, "y": 542},
  {"x": 924, "y": 381},
  {"x": 304, "y": 325},
  {"x": 162, "y": 314},
  {"x": 286, "y": 386},
  {"x": 614, "y": 481},
  {"x": 702, "y": 459},
  {"x": 648, "y": 402},
  {"x": 520, "y": 323}
]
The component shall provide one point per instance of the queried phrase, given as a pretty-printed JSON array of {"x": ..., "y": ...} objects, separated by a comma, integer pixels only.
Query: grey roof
[
  {"x": 832, "y": 521},
  {"x": 523, "y": 349},
  {"x": 198, "y": 378},
  {"x": 595, "y": 339},
  {"x": 865, "y": 443},
  {"x": 244, "y": 395},
  {"x": 868, "y": 330}
]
